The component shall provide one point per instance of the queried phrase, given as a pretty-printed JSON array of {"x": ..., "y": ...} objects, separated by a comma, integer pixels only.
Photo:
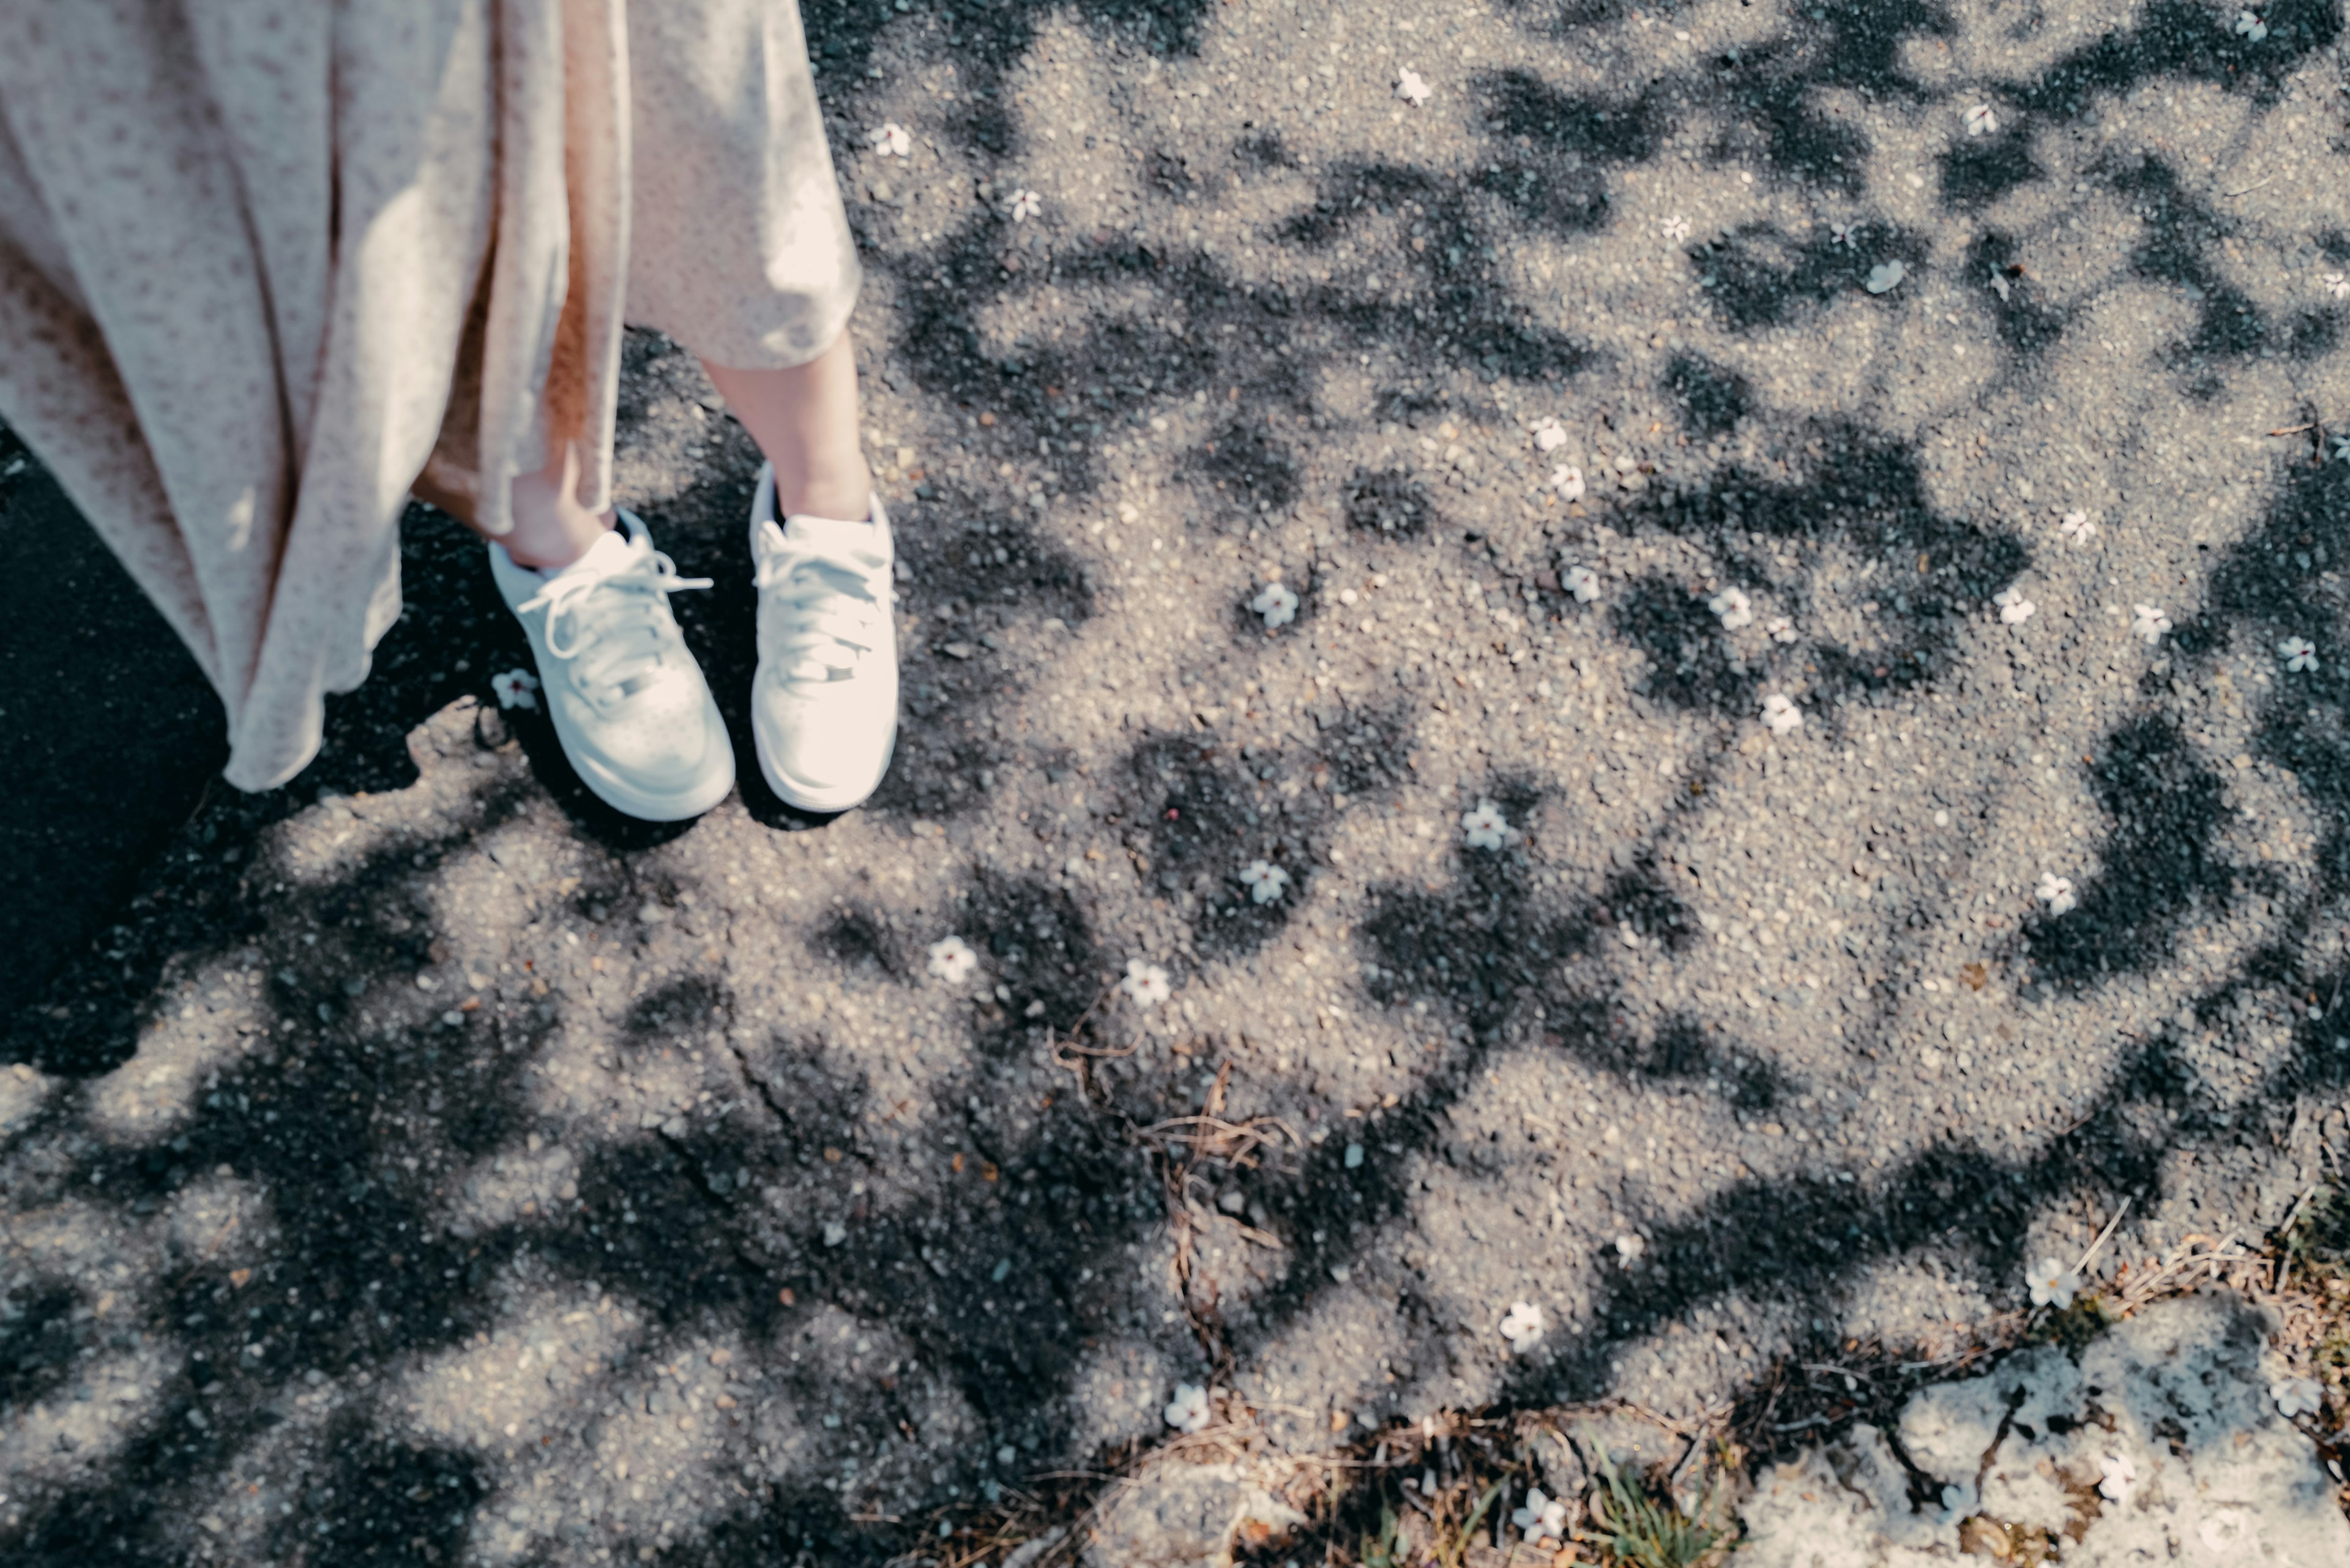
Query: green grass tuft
[{"x": 1645, "y": 1531}]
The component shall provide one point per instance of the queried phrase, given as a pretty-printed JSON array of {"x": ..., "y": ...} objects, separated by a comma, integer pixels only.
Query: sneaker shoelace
[
  {"x": 613, "y": 628},
  {"x": 827, "y": 607}
]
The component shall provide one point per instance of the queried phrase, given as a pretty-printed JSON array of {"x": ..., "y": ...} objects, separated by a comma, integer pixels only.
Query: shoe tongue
[
  {"x": 606, "y": 556},
  {"x": 830, "y": 534}
]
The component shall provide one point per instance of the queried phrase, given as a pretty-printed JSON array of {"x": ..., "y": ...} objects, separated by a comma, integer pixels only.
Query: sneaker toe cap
[
  {"x": 826, "y": 743},
  {"x": 659, "y": 747}
]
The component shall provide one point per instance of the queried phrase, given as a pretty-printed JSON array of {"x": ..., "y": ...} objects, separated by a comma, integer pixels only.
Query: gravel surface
[{"x": 428, "y": 1166}]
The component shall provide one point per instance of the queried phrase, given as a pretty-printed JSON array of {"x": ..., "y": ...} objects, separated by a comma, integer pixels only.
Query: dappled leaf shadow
[
  {"x": 1690, "y": 665},
  {"x": 1210, "y": 814},
  {"x": 2178, "y": 39},
  {"x": 856, "y": 940},
  {"x": 1519, "y": 103},
  {"x": 1388, "y": 502},
  {"x": 1253, "y": 469},
  {"x": 1715, "y": 396},
  {"x": 1364, "y": 748},
  {"x": 417, "y": 1501},
  {"x": 2311, "y": 333},
  {"x": 1761, "y": 277},
  {"x": 755, "y": 1204},
  {"x": 36, "y": 1349},
  {"x": 2028, "y": 323},
  {"x": 1981, "y": 170},
  {"x": 2161, "y": 870},
  {"x": 1863, "y": 494},
  {"x": 1043, "y": 951},
  {"x": 2181, "y": 234}
]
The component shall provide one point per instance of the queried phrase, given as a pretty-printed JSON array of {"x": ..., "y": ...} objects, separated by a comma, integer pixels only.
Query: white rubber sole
[{"x": 792, "y": 795}]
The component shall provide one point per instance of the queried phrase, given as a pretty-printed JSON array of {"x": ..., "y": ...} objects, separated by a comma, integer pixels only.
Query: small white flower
[
  {"x": 1675, "y": 228},
  {"x": 2119, "y": 1475},
  {"x": 2056, "y": 892},
  {"x": 1733, "y": 607},
  {"x": 1778, "y": 628},
  {"x": 1410, "y": 86},
  {"x": 2297, "y": 653},
  {"x": 2337, "y": 286},
  {"x": 1885, "y": 276},
  {"x": 2341, "y": 447},
  {"x": 1781, "y": 714},
  {"x": 1522, "y": 1325},
  {"x": 2148, "y": 622},
  {"x": 1981, "y": 120},
  {"x": 2051, "y": 1285},
  {"x": 2252, "y": 27},
  {"x": 1188, "y": 1411},
  {"x": 1264, "y": 879},
  {"x": 2228, "y": 1534},
  {"x": 1549, "y": 435},
  {"x": 1630, "y": 1245},
  {"x": 891, "y": 141},
  {"x": 1846, "y": 234},
  {"x": 2077, "y": 527},
  {"x": 1582, "y": 582},
  {"x": 1568, "y": 480},
  {"x": 1025, "y": 204},
  {"x": 1541, "y": 1516},
  {"x": 515, "y": 689},
  {"x": 2297, "y": 1397},
  {"x": 1486, "y": 826},
  {"x": 953, "y": 960},
  {"x": 1146, "y": 982},
  {"x": 2013, "y": 608},
  {"x": 1276, "y": 603}
]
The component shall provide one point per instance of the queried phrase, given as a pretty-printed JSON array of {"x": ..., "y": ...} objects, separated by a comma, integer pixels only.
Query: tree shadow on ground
[
  {"x": 2228, "y": 324},
  {"x": 1865, "y": 496},
  {"x": 669, "y": 1223},
  {"x": 2177, "y": 40},
  {"x": 2162, "y": 868},
  {"x": 674, "y": 1215},
  {"x": 1802, "y": 1242},
  {"x": 2027, "y": 324},
  {"x": 2167, "y": 803},
  {"x": 676, "y": 1223},
  {"x": 362, "y": 1179}
]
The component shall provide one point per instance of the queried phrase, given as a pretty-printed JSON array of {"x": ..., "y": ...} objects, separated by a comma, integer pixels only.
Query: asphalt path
[{"x": 1797, "y": 756}]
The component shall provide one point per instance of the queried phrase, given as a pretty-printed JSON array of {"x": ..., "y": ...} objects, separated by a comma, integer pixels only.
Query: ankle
[
  {"x": 551, "y": 550},
  {"x": 551, "y": 529},
  {"x": 548, "y": 536},
  {"x": 847, "y": 497}
]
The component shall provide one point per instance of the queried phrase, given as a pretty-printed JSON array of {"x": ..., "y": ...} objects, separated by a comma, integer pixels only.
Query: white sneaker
[
  {"x": 628, "y": 703},
  {"x": 823, "y": 705}
]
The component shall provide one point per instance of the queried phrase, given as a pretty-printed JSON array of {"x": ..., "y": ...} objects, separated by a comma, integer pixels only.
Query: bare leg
[
  {"x": 551, "y": 529},
  {"x": 805, "y": 420}
]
